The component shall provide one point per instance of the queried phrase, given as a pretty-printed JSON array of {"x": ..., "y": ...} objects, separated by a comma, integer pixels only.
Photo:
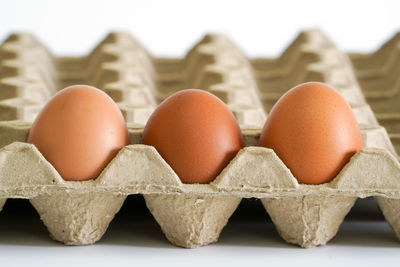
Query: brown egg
[
  {"x": 79, "y": 131},
  {"x": 313, "y": 131},
  {"x": 195, "y": 133}
]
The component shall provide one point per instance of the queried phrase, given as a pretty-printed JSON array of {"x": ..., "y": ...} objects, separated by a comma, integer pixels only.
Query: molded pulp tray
[{"x": 193, "y": 215}]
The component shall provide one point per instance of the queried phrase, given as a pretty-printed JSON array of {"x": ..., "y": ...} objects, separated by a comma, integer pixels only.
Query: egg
[
  {"x": 79, "y": 131},
  {"x": 195, "y": 133},
  {"x": 313, "y": 131}
]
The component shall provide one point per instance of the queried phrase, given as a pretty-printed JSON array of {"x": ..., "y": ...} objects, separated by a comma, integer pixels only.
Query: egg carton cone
[{"x": 193, "y": 215}]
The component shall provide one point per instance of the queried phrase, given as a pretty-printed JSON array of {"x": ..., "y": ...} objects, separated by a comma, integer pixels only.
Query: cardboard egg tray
[{"x": 193, "y": 215}]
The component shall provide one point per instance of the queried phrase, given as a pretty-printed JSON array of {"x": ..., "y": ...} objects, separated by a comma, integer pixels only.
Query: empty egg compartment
[
  {"x": 189, "y": 215},
  {"x": 377, "y": 74}
]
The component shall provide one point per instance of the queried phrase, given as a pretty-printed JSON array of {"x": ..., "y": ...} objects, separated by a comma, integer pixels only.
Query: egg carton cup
[{"x": 193, "y": 215}]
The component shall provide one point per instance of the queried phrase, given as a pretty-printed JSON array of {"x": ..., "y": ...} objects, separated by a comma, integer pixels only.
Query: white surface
[
  {"x": 171, "y": 27},
  {"x": 358, "y": 244}
]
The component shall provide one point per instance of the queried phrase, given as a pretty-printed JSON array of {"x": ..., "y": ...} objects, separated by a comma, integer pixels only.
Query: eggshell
[
  {"x": 313, "y": 131},
  {"x": 79, "y": 131},
  {"x": 195, "y": 133}
]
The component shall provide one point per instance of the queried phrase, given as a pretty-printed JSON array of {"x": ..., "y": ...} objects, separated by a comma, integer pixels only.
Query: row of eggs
[{"x": 311, "y": 129}]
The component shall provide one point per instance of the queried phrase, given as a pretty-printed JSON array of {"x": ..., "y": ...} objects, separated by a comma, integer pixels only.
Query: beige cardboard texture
[
  {"x": 189, "y": 220},
  {"x": 77, "y": 219},
  {"x": 2, "y": 202},
  {"x": 390, "y": 209},
  {"x": 193, "y": 215},
  {"x": 308, "y": 221}
]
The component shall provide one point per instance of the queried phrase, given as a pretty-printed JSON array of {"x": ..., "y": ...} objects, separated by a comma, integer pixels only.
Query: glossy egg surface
[
  {"x": 313, "y": 131},
  {"x": 79, "y": 131},
  {"x": 195, "y": 133}
]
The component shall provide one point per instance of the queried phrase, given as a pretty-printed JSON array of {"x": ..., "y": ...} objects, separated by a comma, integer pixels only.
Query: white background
[{"x": 169, "y": 28}]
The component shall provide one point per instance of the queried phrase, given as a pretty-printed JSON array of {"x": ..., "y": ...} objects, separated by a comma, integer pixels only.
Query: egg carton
[{"x": 193, "y": 215}]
